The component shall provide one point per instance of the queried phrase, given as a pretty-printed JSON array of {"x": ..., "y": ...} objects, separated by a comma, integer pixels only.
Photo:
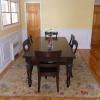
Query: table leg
[
  {"x": 29, "y": 74},
  {"x": 68, "y": 70}
]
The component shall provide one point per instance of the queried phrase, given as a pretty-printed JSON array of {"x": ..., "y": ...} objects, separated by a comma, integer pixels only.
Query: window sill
[{"x": 10, "y": 26}]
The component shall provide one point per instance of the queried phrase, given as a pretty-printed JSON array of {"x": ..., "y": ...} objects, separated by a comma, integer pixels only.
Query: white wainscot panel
[
  {"x": 7, "y": 50},
  {"x": 0, "y": 56},
  {"x": 83, "y": 36},
  {"x": 5, "y": 55}
]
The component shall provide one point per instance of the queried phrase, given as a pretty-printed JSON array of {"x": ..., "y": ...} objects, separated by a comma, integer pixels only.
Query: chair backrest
[
  {"x": 30, "y": 38},
  {"x": 71, "y": 39},
  {"x": 26, "y": 45},
  {"x": 54, "y": 35},
  {"x": 48, "y": 58},
  {"x": 74, "y": 46}
]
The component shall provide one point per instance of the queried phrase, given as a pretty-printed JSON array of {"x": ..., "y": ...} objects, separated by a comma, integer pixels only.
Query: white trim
[{"x": 25, "y": 3}]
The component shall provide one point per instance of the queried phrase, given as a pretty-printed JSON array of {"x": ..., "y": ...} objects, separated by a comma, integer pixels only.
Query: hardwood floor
[
  {"x": 91, "y": 58},
  {"x": 30, "y": 98}
]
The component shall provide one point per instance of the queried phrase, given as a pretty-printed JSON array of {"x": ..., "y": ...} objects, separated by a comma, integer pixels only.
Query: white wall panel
[
  {"x": 83, "y": 36},
  {"x": 7, "y": 52},
  {"x": 0, "y": 57}
]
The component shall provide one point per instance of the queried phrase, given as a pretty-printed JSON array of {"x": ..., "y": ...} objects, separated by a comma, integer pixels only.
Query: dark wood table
[{"x": 42, "y": 44}]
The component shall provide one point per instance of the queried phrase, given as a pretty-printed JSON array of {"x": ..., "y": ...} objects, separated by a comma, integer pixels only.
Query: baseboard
[{"x": 6, "y": 68}]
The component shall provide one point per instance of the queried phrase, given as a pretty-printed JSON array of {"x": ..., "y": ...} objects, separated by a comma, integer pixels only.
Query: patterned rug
[{"x": 83, "y": 84}]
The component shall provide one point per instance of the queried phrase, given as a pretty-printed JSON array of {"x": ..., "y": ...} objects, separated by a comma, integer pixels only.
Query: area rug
[{"x": 83, "y": 84}]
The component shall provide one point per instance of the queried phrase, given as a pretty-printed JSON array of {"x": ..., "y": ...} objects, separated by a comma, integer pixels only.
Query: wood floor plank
[
  {"x": 30, "y": 98},
  {"x": 92, "y": 59}
]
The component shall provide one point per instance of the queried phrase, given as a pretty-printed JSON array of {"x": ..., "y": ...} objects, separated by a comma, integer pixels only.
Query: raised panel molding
[
  {"x": 1, "y": 57},
  {"x": 7, "y": 52}
]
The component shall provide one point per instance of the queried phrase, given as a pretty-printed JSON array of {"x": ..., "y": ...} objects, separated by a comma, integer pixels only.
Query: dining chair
[
  {"x": 30, "y": 38},
  {"x": 47, "y": 64},
  {"x": 26, "y": 45},
  {"x": 71, "y": 39},
  {"x": 54, "y": 35},
  {"x": 74, "y": 47}
]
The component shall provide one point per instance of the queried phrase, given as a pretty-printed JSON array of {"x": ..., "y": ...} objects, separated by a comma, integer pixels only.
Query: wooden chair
[
  {"x": 26, "y": 45},
  {"x": 47, "y": 63},
  {"x": 74, "y": 47},
  {"x": 30, "y": 38},
  {"x": 71, "y": 39},
  {"x": 54, "y": 35}
]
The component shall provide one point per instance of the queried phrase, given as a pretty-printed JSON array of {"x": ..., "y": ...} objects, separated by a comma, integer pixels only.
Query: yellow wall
[
  {"x": 60, "y": 14},
  {"x": 67, "y": 13},
  {"x": 22, "y": 13}
]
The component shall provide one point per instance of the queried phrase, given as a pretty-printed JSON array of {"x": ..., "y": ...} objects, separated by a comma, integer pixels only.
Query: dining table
[{"x": 41, "y": 44}]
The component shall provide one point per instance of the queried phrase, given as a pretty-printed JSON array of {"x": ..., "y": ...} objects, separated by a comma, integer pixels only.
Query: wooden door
[
  {"x": 33, "y": 20},
  {"x": 96, "y": 27}
]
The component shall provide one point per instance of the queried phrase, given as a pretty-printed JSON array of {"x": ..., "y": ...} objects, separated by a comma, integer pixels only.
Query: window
[{"x": 9, "y": 11}]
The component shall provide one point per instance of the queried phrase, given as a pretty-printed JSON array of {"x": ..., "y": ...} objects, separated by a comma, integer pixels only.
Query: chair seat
[
  {"x": 48, "y": 62},
  {"x": 46, "y": 70}
]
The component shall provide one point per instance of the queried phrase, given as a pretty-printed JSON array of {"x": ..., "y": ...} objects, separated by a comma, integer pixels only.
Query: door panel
[
  {"x": 33, "y": 20},
  {"x": 96, "y": 26}
]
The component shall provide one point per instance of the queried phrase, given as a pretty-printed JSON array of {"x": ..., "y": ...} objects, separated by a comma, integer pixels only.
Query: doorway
[
  {"x": 33, "y": 19},
  {"x": 96, "y": 27}
]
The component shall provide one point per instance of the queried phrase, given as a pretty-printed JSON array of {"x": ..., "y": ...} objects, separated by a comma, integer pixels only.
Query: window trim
[{"x": 5, "y": 27}]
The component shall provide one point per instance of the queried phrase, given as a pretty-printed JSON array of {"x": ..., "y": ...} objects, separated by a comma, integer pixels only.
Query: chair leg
[
  {"x": 72, "y": 71},
  {"x": 39, "y": 82},
  {"x": 57, "y": 82},
  {"x": 45, "y": 77}
]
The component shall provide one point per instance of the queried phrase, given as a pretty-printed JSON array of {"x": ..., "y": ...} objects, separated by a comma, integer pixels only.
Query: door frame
[{"x": 25, "y": 18}]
